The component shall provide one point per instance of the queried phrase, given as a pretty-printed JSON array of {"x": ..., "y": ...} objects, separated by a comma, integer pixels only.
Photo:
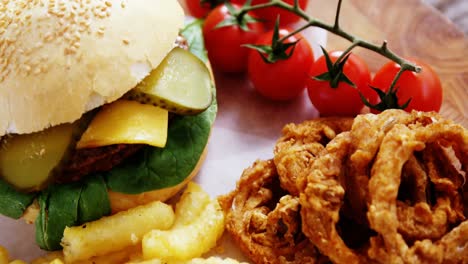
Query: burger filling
[{"x": 104, "y": 138}]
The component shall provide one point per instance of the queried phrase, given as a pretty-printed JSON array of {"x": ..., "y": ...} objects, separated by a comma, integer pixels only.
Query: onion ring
[
  {"x": 321, "y": 199},
  {"x": 265, "y": 221},
  {"x": 301, "y": 144},
  {"x": 397, "y": 147},
  {"x": 388, "y": 188},
  {"x": 367, "y": 134}
]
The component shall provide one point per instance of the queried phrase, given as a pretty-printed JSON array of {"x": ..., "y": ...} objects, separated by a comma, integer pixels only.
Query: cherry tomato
[
  {"x": 424, "y": 88},
  {"x": 224, "y": 44},
  {"x": 196, "y": 9},
  {"x": 284, "y": 79},
  {"x": 343, "y": 100},
  {"x": 270, "y": 14}
]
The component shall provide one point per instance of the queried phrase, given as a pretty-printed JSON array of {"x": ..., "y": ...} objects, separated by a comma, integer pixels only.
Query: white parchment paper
[{"x": 246, "y": 129}]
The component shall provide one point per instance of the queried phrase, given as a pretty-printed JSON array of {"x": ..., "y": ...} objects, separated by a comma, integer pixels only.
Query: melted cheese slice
[{"x": 126, "y": 122}]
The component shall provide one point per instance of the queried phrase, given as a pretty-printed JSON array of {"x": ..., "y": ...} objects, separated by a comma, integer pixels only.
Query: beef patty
[{"x": 86, "y": 161}]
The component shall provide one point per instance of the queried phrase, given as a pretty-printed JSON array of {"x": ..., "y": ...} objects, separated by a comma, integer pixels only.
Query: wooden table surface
[
  {"x": 455, "y": 10},
  {"x": 412, "y": 28}
]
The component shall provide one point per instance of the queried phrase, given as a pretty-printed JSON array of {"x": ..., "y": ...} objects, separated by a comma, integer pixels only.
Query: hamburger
[{"x": 101, "y": 109}]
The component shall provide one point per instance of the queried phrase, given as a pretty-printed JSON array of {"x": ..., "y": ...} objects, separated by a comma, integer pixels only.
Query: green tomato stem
[
  {"x": 383, "y": 49},
  {"x": 337, "y": 16},
  {"x": 397, "y": 77},
  {"x": 348, "y": 50}
]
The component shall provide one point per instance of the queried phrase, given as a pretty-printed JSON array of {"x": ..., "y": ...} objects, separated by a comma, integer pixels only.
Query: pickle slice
[
  {"x": 28, "y": 161},
  {"x": 180, "y": 84}
]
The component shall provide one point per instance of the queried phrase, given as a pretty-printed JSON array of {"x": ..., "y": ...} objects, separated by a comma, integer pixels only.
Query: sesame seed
[
  {"x": 71, "y": 19},
  {"x": 26, "y": 68}
]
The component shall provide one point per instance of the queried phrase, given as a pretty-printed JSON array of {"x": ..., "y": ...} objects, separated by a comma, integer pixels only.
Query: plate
[{"x": 248, "y": 125}]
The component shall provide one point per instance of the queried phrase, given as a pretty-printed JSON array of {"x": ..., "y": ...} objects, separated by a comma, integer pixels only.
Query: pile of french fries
[{"x": 148, "y": 234}]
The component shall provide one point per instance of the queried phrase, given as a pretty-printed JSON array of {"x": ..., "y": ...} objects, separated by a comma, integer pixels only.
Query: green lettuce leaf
[
  {"x": 58, "y": 209},
  {"x": 12, "y": 202},
  {"x": 94, "y": 200},
  {"x": 193, "y": 33},
  {"x": 69, "y": 205}
]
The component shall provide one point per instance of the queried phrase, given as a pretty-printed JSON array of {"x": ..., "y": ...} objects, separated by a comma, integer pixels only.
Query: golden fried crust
[
  {"x": 426, "y": 219},
  {"x": 263, "y": 222},
  {"x": 301, "y": 144},
  {"x": 397, "y": 147},
  {"x": 387, "y": 188},
  {"x": 321, "y": 199},
  {"x": 367, "y": 134}
]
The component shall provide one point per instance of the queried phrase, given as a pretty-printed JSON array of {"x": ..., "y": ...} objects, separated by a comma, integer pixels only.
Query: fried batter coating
[
  {"x": 321, "y": 199},
  {"x": 301, "y": 144},
  {"x": 397, "y": 147},
  {"x": 264, "y": 220},
  {"x": 367, "y": 134},
  {"x": 386, "y": 188},
  {"x": 428, "y": 219}
]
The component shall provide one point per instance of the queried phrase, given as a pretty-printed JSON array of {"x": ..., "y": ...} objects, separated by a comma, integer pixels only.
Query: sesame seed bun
[{"x": 59, "y": 59}]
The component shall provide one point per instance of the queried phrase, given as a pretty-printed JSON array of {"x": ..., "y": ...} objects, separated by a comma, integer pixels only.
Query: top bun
[{"x": 59, "y": 59}]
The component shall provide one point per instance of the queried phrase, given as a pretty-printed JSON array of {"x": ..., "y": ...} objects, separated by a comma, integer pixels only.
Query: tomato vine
[{"x": 335, "y": 28}]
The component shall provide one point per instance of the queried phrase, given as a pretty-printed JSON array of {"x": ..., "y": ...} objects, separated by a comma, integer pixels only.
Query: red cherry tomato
[
  {"x": 196, "y": 9},
  {"x": 224, "y": 44},
  {"x": 424, "y": 88},
  {"x": 343, "y": 100},
  {"x": 270, "y": 14},
  {"x": 284, "y": 79}
]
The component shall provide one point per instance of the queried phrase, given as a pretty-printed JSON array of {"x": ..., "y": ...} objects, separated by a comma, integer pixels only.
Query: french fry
[
  {"x": 115, "y": 232},
  {"x": 190, "y": 205},
  {"x": 121, "y": 256},
  {"x": 17, "y": 261},
  {"x": 199, "y": 224},
  {"x": 4, "y": 256},
  {"x": 56, "y": 261},
  {"x": 52, "y": 256}
]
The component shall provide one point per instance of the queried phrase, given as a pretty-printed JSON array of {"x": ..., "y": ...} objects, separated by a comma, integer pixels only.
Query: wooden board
[
  {"x": 414, "y": 29},
  {"x": 455, "y": 10}
]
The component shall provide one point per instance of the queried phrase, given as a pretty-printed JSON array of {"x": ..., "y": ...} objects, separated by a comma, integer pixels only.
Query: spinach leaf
[
  {"x": 69, "y": 205},
  {"x": 58, "y": 209},
  {"x": 157, "y": 168},
  {"x": 12, "y": 202},
  {"x": 94, "y": 201},
  {"x": 193, "y": 33}
]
